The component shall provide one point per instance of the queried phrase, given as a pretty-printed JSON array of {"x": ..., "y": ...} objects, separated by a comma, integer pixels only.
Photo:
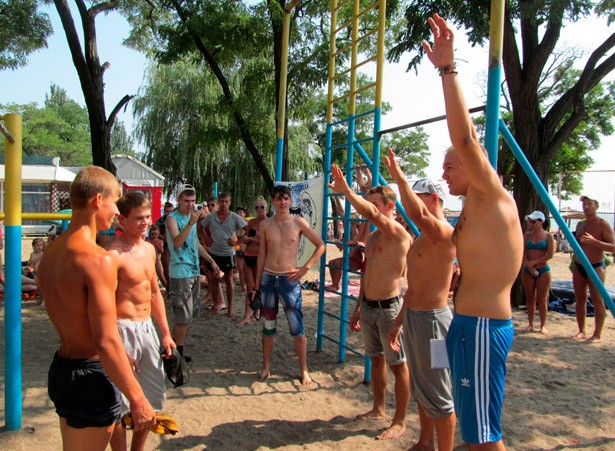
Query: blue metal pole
[
  {"x": 542, "y": 192},
  {"x": 279, "y": 155},
  {"x": 216, "y": 190},
  {"x": 496, "y": 39},
  {"x": 320, "y": 327}
]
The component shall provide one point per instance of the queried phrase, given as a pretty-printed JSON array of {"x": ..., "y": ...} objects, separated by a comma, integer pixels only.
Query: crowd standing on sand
[{"x": 101, "y": 282}]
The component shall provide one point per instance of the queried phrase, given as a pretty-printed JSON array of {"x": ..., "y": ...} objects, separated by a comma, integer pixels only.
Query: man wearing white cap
[
  {"x": 425, "y": 313},
  {"x": 595, "y": 236},
  {"x": 184, "y": 271}
]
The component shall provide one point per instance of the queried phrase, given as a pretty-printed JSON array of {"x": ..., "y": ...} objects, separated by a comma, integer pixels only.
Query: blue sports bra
[{"x": 539, "y": 246}]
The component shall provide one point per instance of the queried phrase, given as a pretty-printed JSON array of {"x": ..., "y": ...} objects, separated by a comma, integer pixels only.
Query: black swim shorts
[{"x": 82, "y": 393}]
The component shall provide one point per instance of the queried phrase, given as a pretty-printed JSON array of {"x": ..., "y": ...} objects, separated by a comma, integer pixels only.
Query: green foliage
[
  {"x": 23, "y": 29},
  {"x": 121, "y": 142},
  {"x": 59, "y": 129}
]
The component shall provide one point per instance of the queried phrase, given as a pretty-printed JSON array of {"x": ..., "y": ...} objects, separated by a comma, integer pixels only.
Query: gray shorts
[
  {"x": 142, "y": 344},
  {"x": 376, "y": 324},
  {"x": 184, "y": 295},
  {"x": 431, "y": 389}
]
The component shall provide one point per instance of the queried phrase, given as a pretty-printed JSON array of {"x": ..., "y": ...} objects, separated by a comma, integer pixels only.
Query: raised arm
[
  {"x": 178, "y": 237},
  {"x": 460, "y": 126},
  {"x": 414, "y": 206},
  {"x": 363, "y": 207}
]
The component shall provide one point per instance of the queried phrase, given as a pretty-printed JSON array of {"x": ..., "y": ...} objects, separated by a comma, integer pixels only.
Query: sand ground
[{"x": 560, "y": 393}]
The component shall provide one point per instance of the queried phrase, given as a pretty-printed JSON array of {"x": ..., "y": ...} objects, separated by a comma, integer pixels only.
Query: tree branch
[
  {"x": 124, "y": 101},
  {"x": 228, "y": 95}
]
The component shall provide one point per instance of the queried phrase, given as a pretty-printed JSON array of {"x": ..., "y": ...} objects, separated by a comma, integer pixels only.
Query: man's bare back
[{"x": 72, "y": 261}]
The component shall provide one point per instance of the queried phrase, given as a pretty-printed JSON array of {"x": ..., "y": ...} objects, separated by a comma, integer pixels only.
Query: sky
[{"x": 412, "y": 96}]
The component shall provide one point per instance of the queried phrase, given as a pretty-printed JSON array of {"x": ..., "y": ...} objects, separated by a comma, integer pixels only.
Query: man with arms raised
[
  {"x": 137, "y": 298},
  {"x": 596, "y": 237},
  {"x": 184, "y": 271},
  {"x": 78, "y": 279},
  {"x": 279, "y": 279},
  {"x": 380, "y": 301},
  {"x": 425, "y": 313},
  {"x": 489, "y": 245}
]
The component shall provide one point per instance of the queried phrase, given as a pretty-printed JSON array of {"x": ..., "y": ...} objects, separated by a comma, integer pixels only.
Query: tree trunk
[{"x": 90, "y": 74}]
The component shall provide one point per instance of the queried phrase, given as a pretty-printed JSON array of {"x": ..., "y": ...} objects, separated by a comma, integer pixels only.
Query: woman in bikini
[
  {"x": 536, "y": 274},
  {"x": 251, "y": 239}
]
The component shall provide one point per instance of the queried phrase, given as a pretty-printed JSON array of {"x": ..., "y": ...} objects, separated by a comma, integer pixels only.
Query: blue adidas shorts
[{"x": 477, "y": 350}]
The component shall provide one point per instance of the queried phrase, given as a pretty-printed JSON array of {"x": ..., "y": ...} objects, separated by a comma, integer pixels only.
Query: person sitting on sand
[{"x": 536, "y": 273}]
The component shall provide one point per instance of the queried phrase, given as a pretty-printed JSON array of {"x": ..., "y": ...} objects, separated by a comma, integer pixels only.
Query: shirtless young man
[
  {"x": 385, "y": 255},
  {"x": 425, "y": 313},
  {"x": 279, "y": 279},
  {"x": 595, "y": 236},
  {"x": 138, "y": 298},
  {"x": 489, "y": 245},
  {"x": 78, "y": 279}
]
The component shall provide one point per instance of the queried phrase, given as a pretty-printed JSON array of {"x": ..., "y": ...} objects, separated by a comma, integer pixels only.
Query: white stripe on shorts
[{"x": 481, "y": 379}]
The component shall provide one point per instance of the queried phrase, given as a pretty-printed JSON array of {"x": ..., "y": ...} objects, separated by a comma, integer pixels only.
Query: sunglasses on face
[
  {"x": 211, "y": 205},
  {"x": 259, "y": 207},
  {"x": 532, "y": 221}
]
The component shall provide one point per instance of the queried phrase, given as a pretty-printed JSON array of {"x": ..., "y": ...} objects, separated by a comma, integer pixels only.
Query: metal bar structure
[
  {"x": 495, "y": 124},
  {"x": 494, "y": 77},
  {"x": 12, "y": 300},
  {"x": 279, "y": 159},
  {"x": 544, "y": 196},
  {"x": 357, "y": 20}
]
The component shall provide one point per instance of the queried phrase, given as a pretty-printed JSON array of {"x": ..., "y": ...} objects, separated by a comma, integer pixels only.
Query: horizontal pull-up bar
[{"x": 425, "y": 121}]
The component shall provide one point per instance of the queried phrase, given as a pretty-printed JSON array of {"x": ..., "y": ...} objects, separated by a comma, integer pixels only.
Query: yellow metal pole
[
  {"x": 382, "y": 13},
  {"x": 354, "y": 57},
  {"x": 282, "y": 96},
  {"x": 332, "y": 50}
]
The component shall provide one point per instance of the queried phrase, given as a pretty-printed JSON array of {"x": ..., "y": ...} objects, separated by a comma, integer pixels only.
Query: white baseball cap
[
  {"x": 184, "y": 188},
  {"x": 426, "y": 186},
  {"x": 536, "y": 215}
]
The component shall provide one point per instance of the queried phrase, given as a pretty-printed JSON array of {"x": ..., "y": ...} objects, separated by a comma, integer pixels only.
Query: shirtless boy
[
  {"x": 489, "y": 245},
  {"x": 385, "y": 255},
  {"x": 78, "y": 279},
  {"x": 425, "y": 313},
  {"x": 595, "y": 236},
  {"x": 138, "y": 298},
  {"x": 279, "y": 279}
]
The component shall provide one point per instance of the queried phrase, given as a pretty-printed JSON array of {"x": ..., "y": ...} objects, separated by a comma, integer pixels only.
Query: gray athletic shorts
[
  {"x": 184, "y": 295},
  {"x": 142, "y": 344},
  {"x": 376, "y": 324},
  {"x": 431, "y": 389}
]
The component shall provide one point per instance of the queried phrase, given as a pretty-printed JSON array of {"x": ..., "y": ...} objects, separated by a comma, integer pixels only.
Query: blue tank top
[
  {"x": 539, "y": 246},
  {"x": 184, "y": 260}
]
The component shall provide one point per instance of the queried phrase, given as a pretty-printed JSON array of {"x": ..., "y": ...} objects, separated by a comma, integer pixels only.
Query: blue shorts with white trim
[{"x": 477, "y": 350}]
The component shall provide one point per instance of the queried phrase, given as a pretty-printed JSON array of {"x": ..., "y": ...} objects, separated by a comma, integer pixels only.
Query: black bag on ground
[{"x": 176, "y": 368}]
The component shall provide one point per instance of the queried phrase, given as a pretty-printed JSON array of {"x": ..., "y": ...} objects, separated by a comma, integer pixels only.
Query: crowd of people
[{"x": 102, "y": 289}]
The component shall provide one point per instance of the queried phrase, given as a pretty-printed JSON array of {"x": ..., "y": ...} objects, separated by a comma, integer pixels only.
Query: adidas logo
[{"x": 465, "y": 382}]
